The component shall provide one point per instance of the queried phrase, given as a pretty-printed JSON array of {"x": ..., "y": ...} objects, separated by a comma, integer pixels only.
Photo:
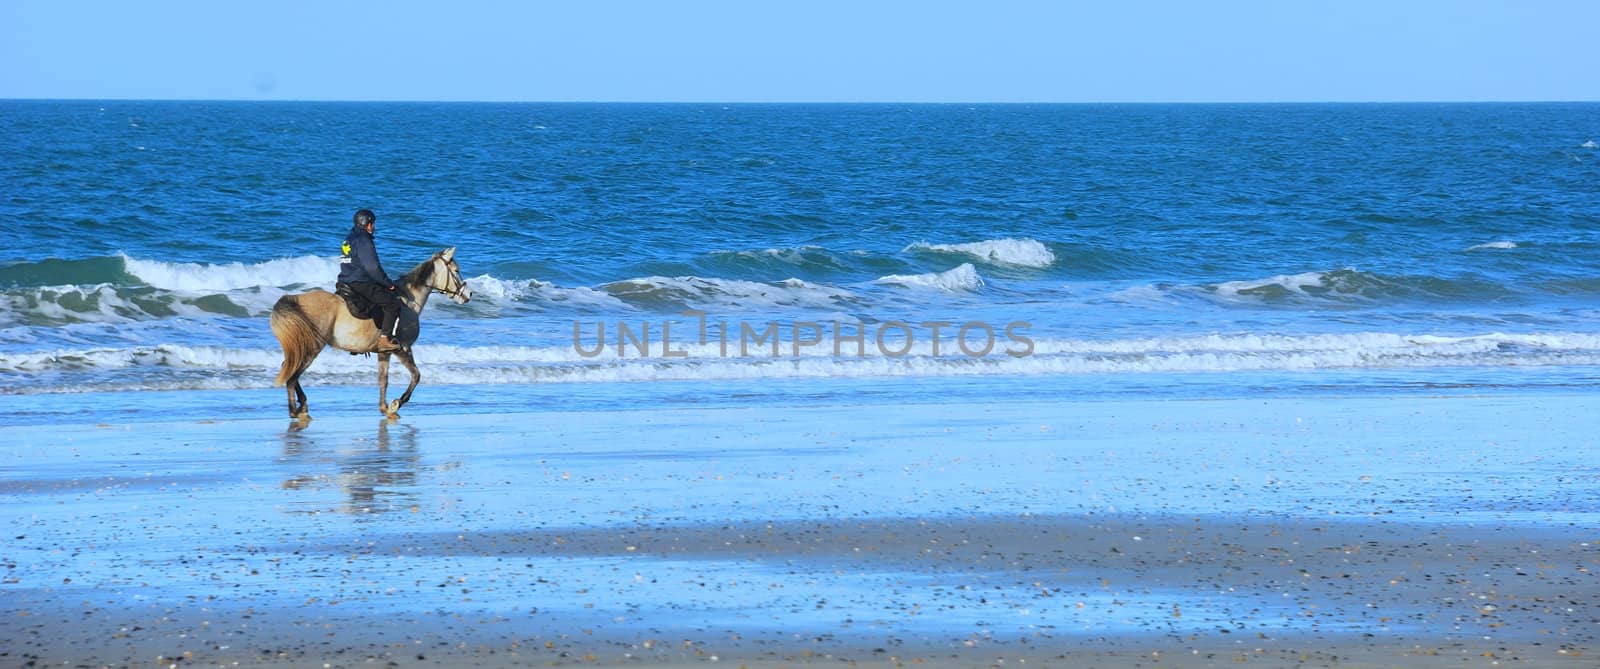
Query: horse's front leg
[
  {"x": 416, "y": 377},
  {"x": 383, "y": 384}
]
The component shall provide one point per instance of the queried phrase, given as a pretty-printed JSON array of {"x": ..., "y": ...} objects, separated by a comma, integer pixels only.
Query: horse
[{"x": 308, "y": 322}]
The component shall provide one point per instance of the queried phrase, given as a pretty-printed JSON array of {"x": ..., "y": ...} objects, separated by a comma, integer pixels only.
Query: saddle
[{"x": 359, "y": 306}]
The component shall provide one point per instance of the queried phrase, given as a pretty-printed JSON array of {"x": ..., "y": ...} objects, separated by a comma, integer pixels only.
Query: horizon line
[{"x": 803, "y": 102}]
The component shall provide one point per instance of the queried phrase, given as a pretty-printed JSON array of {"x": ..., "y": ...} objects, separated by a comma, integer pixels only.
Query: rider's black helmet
[{"x": 365, "y": 218}]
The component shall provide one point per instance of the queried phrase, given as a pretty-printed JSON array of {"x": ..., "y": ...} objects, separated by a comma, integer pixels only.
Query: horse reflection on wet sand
[{"x": 374, "y": 476}]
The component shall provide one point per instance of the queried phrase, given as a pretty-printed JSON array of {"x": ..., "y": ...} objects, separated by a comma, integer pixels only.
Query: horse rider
[{"x": 360, "y": 271}]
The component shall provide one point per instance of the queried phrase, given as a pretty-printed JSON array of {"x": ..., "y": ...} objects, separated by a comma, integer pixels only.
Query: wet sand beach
[{"x": 1374, "y": 531}]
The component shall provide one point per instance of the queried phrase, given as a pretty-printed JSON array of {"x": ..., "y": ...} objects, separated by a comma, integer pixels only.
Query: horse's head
[{"x": 446, "y": 276}]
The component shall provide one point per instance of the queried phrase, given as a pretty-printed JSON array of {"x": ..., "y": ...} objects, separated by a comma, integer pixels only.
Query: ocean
[
  {"x": 823, "y": 252},
  {"x": 959, "y": 385}
]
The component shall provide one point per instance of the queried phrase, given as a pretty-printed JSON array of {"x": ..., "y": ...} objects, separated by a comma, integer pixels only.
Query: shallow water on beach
[{"x": 1017, "y": 520}]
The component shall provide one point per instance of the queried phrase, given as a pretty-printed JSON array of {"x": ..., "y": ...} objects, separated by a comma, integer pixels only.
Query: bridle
[{"x": 455, "y": 290}]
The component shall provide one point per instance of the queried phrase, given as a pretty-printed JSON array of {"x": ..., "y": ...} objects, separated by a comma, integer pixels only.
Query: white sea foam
[
  {"x": 1589, "y": 145},
  {"x": 494, "y": 289},
  {"x": 177, "y": 366},
  {"x": 1140, "y": 294},
  {"x": 701, "y": 292},
  {"x": 1295, "y": 283},
  {"x": 1347, "y": 283},
  {"x": 795, "y": 254},
  {"x": 169, "y": 290},
  {"x": 962, "y": 278},
  {"x": 1502, "y": 244},
  {"x": 490, "y": 288},
  {"x": 106, "y": 303},
  {"x": 49, "y": 304},
  {"x": 205, "y": 278},
  {"x": 1016, "y": 252}
]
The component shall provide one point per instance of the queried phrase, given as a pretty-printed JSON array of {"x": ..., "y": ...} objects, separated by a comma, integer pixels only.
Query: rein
[{"x": 454, "y": 292}]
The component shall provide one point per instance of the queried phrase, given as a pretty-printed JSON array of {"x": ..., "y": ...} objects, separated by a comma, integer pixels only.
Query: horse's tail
[{"x": 299, "y": 337}]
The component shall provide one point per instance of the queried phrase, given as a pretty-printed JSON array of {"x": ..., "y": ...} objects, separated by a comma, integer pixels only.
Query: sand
[{"x": 1389, "y": 531}]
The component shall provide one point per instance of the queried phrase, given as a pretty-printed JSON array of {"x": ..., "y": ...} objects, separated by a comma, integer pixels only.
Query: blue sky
[{"x": 818, "y": 50}]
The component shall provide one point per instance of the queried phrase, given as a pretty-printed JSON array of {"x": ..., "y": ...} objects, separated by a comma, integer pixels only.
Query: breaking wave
[
  {"x": 1493, "y": 245},
  {"x": 110, "y": 303},
  {"x": 809, "y": 262},
  {"x": 1335, "y": 287},
  {"x": 168, "y": 367},
  {"x": 118, "y": 289},
  {"x": 1013, "y": 252},
  {"x": 205, "y": 278},
  {"x": 672, "y": 293},
  {"x": 173, "y": 276},
  {"x": 501, "y": 292},
  {"x": 963, "y": 278}
]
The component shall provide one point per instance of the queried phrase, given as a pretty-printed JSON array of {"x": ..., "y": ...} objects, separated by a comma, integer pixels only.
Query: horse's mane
[{"x": 420, "y": 275}]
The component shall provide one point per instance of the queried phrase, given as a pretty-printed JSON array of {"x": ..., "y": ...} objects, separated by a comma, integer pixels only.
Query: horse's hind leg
[
  {"x": 290, "y": 388},
  {"x": 297, "y": 398},
  {"x": 304, "y": 411}
]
